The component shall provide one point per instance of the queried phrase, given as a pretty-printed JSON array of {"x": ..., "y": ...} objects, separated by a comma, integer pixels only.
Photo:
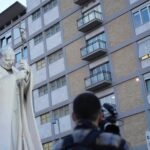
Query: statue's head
[{"x": 7, "y": 58}]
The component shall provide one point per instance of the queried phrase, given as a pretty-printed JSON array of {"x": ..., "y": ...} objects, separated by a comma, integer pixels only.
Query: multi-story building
[{"x": 72, "y": 46}]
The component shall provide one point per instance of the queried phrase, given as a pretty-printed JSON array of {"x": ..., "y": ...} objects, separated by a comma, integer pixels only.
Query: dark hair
[{"x": 86, "y": 106}]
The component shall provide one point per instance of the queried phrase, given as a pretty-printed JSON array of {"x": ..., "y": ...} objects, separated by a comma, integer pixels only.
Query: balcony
[
  {"x": 93, "y": 50},
  {"x": 89, "y": 21},
  {"x": 97, "y": 81},
  {"x": 81, "y": 2}
]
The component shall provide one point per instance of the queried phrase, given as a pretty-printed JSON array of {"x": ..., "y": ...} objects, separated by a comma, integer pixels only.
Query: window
[
  {"x": 36, "y": 15},
  {"x": 40, "y": 64},
  {"x": 19, "y": 55},
  {"x": 53, "y": 30},
  {"x": 100, "y": 36},
  {"x": 58, "y": 83},
  {"x": 50, "y": 5},
  {"x": 8, "y": 40},
  {"x": 141, "y": 16},
  {"x": 101, "y": 68},
  {"x": 61, "y": 112},
  {"x": 148, "y": 85},
  {"x": 144, "y": 49},
  {"x": 96, "y": 8},
  {"x": 55, "y": 56},
  {"x": 38, "y": 39},
  {"x": 45, "y": 118},
  {"x": 48, "y": 146},
  {"x": 110, "y": 99},
  {"x": 5, "y": 41},
  {"x": 43, "y": 90}
]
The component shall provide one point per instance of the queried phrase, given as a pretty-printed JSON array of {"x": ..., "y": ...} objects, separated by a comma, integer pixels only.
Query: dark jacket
[{"x": 103, "y": 138}]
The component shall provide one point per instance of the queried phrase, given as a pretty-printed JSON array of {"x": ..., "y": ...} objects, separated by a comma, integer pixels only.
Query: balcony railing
[
  {"x": 93, "y": 50},
  {"x": 89, "y": 21},
  {"x": 81, "y": 2},
  {"x": 99, "y": 80}
]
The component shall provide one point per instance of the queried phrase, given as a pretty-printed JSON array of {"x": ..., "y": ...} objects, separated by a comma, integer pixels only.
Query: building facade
[{"x": 74, "y": 46}]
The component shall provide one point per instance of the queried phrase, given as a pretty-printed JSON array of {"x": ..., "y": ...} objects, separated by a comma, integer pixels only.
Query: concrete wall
[
  {"x": 111, "y": 7},
  {"x": 119, "y": 30},
  {"x": 73, "y": 55},
  {"x": 134, "y": 129},
  {"x": 129, "y": 95},
  {"x": 124, "y": 62},
  {"x": 76, "y": 81}
]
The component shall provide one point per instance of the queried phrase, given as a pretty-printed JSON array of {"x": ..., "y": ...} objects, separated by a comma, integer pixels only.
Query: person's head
[
  {"x": 86, "y": 106},
  {"x": 7, "y": 58}
]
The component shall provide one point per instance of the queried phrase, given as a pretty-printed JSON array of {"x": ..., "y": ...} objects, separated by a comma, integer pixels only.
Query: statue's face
[{"x": 8, "y": 60}]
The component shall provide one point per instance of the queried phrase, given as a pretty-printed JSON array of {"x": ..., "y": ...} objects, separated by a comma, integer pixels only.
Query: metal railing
[
  {"x": 93, "y": 47},
  {"x": 96, "y": 78},
  {"x": 89, "y": 18}
]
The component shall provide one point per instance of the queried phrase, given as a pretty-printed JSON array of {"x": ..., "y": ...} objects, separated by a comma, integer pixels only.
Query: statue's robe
[{"x": 17, "y": 123}]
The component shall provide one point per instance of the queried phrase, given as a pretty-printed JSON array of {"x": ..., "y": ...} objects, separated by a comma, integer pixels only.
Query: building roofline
[{"x": 11, "y": 12}]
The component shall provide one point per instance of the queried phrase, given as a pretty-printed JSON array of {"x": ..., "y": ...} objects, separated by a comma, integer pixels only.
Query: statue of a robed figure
[{"x": 17, "y": 124}]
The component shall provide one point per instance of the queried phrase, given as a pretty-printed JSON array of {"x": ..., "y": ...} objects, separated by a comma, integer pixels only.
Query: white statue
[{"x": 17, "y": 124}]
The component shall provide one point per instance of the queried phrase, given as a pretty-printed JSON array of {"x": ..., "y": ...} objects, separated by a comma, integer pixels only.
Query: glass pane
[
  {"x": 148, "y": 85},
  {"x": 88, "y": 82},
  {"x": 100, "y": 76},
  {"x": 145, "y": 16},
  {"x": 18, "y": 57},
  {"x": 137, "y": 19},
  {"x": 16, "y": 33},
  {"x": 90, "y": 48},
  {"x": 84, "y": 52},
  {"x": 91, "y": 16},
  {"x": 94, "y": 79},
  {"x": 96, "y": 46},
  {"x": 25, "y": 53}
]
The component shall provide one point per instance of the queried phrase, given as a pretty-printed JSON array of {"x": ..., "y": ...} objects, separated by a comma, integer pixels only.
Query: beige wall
[
  {"x": 76, "y": 81},
  {"x": 73, "y": 55},
  {"x": 124, "y": 62},
  {"x": 66, "y": 5},
  {"x": 129, "y": 95},
  {"x": 134, "y": 129},
  {"x": 111, "y": 6},
  {"x": 119, "y": 30},
  {"x": 70, "y": 26}
]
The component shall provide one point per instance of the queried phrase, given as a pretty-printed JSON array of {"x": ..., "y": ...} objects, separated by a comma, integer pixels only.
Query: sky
[{"x": 6, "y": 3}]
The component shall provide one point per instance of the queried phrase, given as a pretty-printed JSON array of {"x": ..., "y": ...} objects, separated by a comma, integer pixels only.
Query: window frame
[
  {"x": 43, "y": 90},
  {"x": 40, "y": 64},
  {"x": 45, "y": 118},
  {"x": 139, "y": 11},
  {"x": 38, "y": 38},
  {"x": 36, "y": 15}
]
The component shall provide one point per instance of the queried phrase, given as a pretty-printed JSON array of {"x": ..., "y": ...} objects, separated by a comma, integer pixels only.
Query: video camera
[{"x": 109, "y": 123}]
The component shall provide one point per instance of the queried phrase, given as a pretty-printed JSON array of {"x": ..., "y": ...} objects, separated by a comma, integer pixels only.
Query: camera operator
[
  {"x": 86, "y": 135},
  {"x": 109, "y": 121}
]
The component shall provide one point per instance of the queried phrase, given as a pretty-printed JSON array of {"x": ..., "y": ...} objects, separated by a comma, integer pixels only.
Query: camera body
[{"x": 109, "y": 123}]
